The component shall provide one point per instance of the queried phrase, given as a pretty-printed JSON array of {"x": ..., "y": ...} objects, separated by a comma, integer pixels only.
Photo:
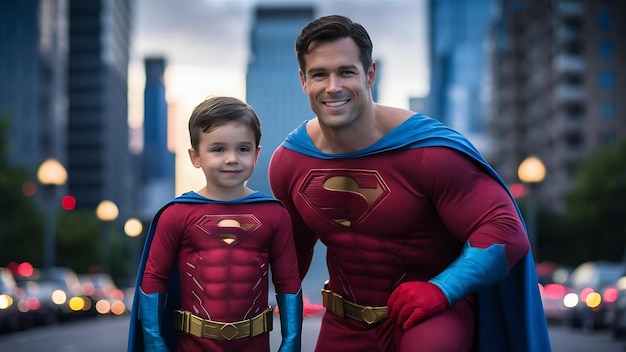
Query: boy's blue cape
[
  {"x": 510, "y": 315},
  {"x": 135, "y": 334}
]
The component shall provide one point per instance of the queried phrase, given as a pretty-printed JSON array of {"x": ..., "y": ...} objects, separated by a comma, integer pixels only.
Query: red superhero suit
[
  {"x": 401, "y": 215},
  {"x": 224, "y": 252}
]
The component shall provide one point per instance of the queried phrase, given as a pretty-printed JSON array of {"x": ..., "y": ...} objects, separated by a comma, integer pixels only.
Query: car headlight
[
  {"x": 570, "y": 300},
  {"x": 6, "y": 301}
]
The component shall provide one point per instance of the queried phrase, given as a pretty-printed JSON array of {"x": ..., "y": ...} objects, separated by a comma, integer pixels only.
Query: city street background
[{"x": 110, "y": 334}]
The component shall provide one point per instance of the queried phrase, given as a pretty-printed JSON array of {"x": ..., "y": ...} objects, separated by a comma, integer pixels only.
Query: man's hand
[{"x": 415, "y": 301}]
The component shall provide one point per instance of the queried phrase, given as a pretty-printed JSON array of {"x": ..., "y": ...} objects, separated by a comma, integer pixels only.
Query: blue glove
[
  {"x": 151, "y": 315},
  {"x": 475, "y": 269},
  {"x": 290, "y": 308}
]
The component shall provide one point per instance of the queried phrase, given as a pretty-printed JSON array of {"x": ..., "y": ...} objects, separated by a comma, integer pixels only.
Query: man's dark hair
[{"x": 331, "y": 28}]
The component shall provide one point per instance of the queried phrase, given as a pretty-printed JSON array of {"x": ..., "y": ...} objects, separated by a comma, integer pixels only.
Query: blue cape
[
  {"x": 510, "y": 315},
  {"x": 135, "y": 335}
]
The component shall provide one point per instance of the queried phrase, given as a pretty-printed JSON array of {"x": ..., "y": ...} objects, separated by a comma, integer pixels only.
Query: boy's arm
[
  {"x": 151, "y": 307},
  {"x": 290, "y": 308}
]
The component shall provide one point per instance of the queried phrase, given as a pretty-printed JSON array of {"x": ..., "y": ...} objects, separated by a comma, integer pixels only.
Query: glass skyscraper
[{"x": 272, "y": 83}]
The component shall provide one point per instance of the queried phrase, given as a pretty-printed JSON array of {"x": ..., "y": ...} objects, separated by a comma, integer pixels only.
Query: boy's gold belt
[
  {"x": 336, "y": 304},
  {"x": 186, "y": 322}
]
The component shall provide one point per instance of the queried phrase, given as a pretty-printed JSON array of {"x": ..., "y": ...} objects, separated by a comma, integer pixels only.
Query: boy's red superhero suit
[
  {"x": 213, "y": 260},
  {"x": 418, "y": 221}
]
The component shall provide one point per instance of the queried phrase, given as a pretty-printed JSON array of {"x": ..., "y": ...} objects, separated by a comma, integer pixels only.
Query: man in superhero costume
[
  {"x": 426, "y": 248},
  {"x": 204, "y": 272}
]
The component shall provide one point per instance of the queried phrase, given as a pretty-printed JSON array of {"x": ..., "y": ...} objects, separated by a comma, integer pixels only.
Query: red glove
[{"x": 415, "y": 301}]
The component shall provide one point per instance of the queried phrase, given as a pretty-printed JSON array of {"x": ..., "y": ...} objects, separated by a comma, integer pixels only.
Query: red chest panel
[{"x": 343, "y": 196}]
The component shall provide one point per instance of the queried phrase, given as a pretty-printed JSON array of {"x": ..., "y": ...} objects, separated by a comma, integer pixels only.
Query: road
[{"x": 109, "y": 334}]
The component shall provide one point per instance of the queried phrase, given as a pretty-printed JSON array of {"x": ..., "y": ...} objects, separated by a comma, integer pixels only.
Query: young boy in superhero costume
[
  {"x": 204, "y": 271},
  {"x": 426, "y": 248}
]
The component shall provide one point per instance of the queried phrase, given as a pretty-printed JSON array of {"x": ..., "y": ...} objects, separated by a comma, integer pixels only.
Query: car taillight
[
  {"x": 554, "y": 291},
  {"x": 610, "y": 295},
  {"x": 585, "y": 292}
]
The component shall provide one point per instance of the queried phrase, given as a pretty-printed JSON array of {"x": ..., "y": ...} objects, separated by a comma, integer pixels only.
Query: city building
[
  {"x": 556, "y": 87},
  {"x": 458, "y": 66},
  {"x": 63, "y": 89},
  {"x": 272, "y": 81},
  {"x": 157, "y": 166},
  {"x": 33, "y": 80},
  {"x": 99, "y": 161}
]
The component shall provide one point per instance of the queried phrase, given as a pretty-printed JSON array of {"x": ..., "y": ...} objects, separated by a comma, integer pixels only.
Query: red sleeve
[
  {"x": 281, "y": 183},
  {"x": 472, "y": 204},
  {"x": 163, "y": 252},
  {"x": 283, "y": 257}
]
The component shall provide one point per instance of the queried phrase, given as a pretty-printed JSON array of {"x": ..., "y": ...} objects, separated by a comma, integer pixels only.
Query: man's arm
[{"x": 481, "y": 214}]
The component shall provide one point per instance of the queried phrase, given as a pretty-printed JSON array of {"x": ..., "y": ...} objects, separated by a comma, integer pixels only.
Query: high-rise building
[
  {"x": 33, "y": 63},
  {"x": 557, "y": 85},
  {"x": 272, "y": 82},
  {"x": 99, "y": 160},
  {"x": 157, "y": 170},
  {"x": 458, "y": 30}
]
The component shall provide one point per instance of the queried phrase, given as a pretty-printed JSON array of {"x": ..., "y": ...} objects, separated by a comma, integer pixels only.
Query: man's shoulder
[{"x": 391, "y": 116}]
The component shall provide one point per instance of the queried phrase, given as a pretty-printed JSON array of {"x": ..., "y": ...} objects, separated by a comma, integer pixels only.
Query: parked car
[
  {"x": 554, "y": 287},
  {"x": 37, "y": 305},
  {"x": 10, "y": 293},
  {"x": 616, "y": 314},
  {"x": 592, "y": 294},
  {"x": 105, "y": 296},
  {"x": 69, "y": 296}
]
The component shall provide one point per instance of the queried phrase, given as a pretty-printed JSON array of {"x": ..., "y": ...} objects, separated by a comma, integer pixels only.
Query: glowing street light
[
  {"x": 50, "y": 174},
  {"x": 133, "y": 228},
  {"x": 531, "y": 172},
  {"x": 107, "y": 212}
]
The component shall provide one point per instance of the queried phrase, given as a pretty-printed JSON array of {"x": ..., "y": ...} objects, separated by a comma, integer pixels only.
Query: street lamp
[
  {"x": 50, "y": 174},
  {"x": 107, "y": 212},
  {"x": 531, "y": 172},
  {"x": 133, "y": 228}
]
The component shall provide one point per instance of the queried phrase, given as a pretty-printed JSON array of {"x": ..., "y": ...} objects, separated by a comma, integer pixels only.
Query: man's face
[{"x": 336, "y": 82}]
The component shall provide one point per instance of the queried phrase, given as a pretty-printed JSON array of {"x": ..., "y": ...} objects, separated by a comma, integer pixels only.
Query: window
[
  {"x": 607, "y": 80},
  {"x": 605, "y": 20},
  {"x": 607, "y": 50},
  {"x": 607, "y": 111}
]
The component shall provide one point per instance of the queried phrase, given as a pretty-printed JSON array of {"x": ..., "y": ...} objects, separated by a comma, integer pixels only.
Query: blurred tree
[
  {"x": 120, "y": 259},
  {"x": 554, "y": 239},
  {"x": 79, "y": 245},
  {"x": 78, "y": 240},
  {"x": 596, "y": 206},
  {"x": 21, "y": 223}
]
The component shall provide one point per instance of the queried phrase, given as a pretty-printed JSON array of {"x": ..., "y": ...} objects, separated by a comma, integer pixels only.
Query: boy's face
[{"x": 227, "y": 156}]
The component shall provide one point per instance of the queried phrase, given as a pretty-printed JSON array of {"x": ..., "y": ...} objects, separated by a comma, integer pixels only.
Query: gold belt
[
  {"x": 186, "y": 322},
  {"x": 336, "y": 304}
]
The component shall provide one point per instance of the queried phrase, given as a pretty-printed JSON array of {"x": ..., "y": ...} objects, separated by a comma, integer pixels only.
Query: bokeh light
[
  {"x": 29, "y": 188},
  {"x": 68, "y": 202},
  {"x": 25, "y": 269}
]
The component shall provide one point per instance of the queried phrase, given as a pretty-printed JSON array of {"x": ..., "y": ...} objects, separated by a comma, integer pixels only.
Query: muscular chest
[
  {"x": 222, "y": 230},
  {"x": 210, "y": 227},
  {"x": 367, "y": 196}
]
